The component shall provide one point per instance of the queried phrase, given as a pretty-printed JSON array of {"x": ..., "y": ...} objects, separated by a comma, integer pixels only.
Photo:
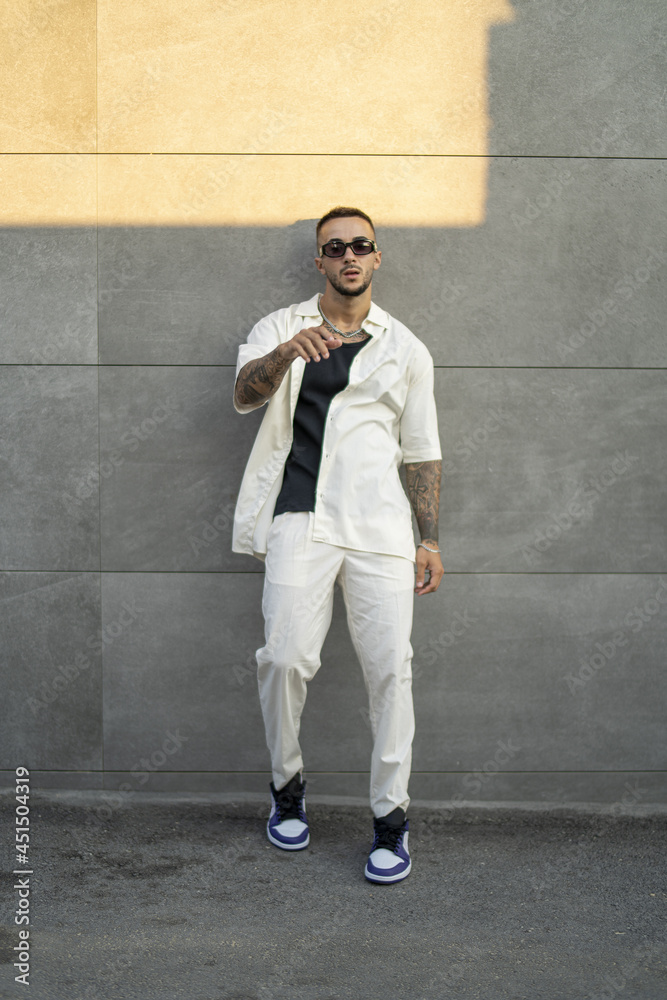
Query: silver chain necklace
[{"x": 335, "y": 328}]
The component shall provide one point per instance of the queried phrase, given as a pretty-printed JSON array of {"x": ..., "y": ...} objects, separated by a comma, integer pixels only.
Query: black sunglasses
[{"x": 360, "y": 247}]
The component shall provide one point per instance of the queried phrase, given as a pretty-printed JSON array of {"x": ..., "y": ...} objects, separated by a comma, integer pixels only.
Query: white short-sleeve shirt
[{"x": 384, "y": 417}]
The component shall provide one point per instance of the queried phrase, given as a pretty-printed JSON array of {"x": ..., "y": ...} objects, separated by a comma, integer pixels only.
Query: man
[{"x": 350, "y": 397}]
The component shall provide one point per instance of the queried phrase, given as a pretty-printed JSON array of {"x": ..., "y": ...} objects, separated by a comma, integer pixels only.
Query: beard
[{"x": 345, "y": 290}]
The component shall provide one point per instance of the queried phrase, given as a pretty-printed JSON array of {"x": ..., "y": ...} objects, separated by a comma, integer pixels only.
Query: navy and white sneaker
[
  {"x": 389, "y": 860},
  {"x": 288, "y": 824}
]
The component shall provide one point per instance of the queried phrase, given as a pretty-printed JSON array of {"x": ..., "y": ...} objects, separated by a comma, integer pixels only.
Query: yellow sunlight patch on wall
[
  {"x": 278, "y": 190},
  {"x": 294, "y": 76},
  {"x": 255, "y": 112}
]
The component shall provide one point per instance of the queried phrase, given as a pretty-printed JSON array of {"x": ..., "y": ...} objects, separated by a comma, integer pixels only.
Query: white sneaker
[{"x": 288, "y": 824}]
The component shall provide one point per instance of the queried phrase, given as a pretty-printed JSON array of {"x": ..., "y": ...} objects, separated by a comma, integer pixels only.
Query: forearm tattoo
[
  {"x": 423, "y": 483},
  {"x": 260, "y": 379}
]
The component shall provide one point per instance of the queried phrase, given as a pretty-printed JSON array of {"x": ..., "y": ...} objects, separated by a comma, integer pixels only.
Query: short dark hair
[{"x": 342, "y": 212}]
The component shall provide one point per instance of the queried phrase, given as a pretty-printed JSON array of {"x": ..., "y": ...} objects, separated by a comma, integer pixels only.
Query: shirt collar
[{"x": 376, "y": 316}]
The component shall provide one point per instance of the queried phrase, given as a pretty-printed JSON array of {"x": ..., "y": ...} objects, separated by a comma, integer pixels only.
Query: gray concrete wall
[{"x": 542, "y": 655}]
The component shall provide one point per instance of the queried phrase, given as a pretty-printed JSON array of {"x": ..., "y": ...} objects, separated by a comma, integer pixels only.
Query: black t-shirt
[{"x": 321, "y": 381}]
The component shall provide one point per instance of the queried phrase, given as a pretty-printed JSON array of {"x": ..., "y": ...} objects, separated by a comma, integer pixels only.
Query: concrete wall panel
[
  {"x": 578, "y": 79},
  {"x": 562, "y": 79},
  {"x": 47, "y": 76},
  {"x": 281, "y": 72},
  {"x": 48, "y": 189},
  {"x": 181, "y": 667},
  {"x": 49, "y": 292},
  {"x": 269, "y": 189},
  {"x": 552, "y": 673},
  {"x": 173, "y": 451},
  {"x": 50, "y": 475},
  {"x": 559, "y": 470},
  {"x": 543, "y": 470},
  {"x": 52, "y": 670},
  {"x": 175, "y": 294},
  {"x": 566, "y": 667},
  {"x": 567, "y": 269}
]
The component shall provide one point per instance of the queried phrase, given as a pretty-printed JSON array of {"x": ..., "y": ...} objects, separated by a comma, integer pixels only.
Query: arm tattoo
[
  {"x": 423, "y": 482},
  {"x": 260, "y": 379}
]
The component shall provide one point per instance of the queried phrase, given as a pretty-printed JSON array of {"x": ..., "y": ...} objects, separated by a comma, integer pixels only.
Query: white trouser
[{"x": 297, "y": 606}]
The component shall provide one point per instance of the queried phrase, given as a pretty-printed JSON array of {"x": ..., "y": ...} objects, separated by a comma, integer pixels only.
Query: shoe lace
[
  {"x": 387, "y": 836},
  {"x": 289, "y": 805}
]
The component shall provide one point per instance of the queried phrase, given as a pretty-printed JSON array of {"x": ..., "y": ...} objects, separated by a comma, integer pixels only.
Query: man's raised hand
[{"x": 310, "y": 344}]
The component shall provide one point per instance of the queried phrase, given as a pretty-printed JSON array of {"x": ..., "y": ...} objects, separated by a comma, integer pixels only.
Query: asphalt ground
[{"x": 171, "y": 896}]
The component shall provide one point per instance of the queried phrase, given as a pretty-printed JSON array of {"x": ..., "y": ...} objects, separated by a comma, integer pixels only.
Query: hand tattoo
[
  {"x": 423, "y": 484},
  {"x": 260, "y": 379}
]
